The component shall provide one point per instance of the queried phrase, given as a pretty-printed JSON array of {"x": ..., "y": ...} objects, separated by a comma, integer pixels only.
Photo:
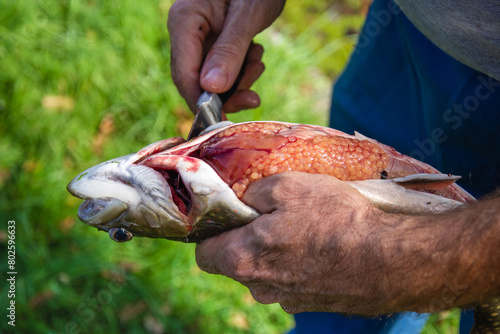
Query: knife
[{"x": 209, "y": 108}]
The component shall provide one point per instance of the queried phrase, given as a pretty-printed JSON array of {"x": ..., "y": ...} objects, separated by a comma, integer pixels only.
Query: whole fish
[{"x": 189, "y": 191}]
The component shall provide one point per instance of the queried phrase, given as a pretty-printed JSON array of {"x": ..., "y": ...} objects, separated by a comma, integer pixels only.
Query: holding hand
[
  {"x": 321, "y": 246},
  {"x": 210, "y": 41},
  {"x": 313, "y": 249}
]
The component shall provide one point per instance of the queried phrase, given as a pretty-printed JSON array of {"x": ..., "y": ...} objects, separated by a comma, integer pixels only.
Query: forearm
[
  {"x": 454, "y": 258},
  {"x": 328, "y": 249}
]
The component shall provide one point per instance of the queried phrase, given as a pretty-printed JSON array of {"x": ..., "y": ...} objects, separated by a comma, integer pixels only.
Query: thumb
[
  {"x": 264, "y": 194},
  {"x": 244, "y": 20},
  {"x": 224, "y": 61}
]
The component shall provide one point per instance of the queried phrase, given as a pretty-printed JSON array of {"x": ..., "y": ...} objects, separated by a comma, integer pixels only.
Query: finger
[
  {"x": 253, "y": 70},
  {"x": 262, "y": 194},
  {"x": 185, "y": 80},
  {"x": 242, "y": 99},
  {"x": 188, "y": 28},
  {"x": 253, "y": 66},
  {"x": 208, "y": 252},
  {"x": 264, "y": 293},
  {"x": 222, "y": 65},
  {"x": 225, "y": 58},
  {"x": 291, "y": 308},
  {"x": 214, "y": 255},
  {"x": 255, "y": 52}
]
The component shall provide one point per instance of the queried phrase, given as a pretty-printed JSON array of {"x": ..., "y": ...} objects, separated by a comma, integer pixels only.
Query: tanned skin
[
  {"x": 326, "y": 248},
  {"x": 320, "y": 246},
  {"x": 210, "y": 40}
]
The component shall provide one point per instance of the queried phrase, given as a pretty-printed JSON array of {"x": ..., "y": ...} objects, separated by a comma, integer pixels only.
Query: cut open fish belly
[
  {"x": 191, "y": 190},
  {"x": 245, "y": 152}
]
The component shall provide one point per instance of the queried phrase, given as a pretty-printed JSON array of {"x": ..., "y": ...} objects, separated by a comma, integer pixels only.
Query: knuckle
[
  {"x": 263, "y": 238},
  {"x": 204, "y": 262},
  {"x": 241, "y": 275},
  {"x": 281, "y": 185},
  {"x": 227, "y": 51},
  {"x": 184, "y": 12},
  {"x": 175, "y": 12},
  {"x": 180, "y": 8}
]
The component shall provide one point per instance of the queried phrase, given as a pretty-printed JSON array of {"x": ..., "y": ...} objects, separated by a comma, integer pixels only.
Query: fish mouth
[
  {"x": 99, "y": 211},
  {"x": 180, "y": 195}
]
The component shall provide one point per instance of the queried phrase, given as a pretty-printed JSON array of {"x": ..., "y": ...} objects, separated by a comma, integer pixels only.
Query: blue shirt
[{"x": 402, "y": 90}]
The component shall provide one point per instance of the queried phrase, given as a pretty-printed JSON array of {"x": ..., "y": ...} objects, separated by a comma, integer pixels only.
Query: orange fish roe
[
  {"x": 344, "y": 158},
  {"x": 248, "y": 152},
  {"x": 265, "y": 128}
]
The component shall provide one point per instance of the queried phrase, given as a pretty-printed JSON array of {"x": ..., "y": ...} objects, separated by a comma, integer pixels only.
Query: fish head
[
  {"x": 158, "y": 196},
  {"x": 124, "y": 198}
]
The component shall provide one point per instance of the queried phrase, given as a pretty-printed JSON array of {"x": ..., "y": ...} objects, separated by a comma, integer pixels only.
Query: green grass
[{"x": 86, "y": 81}]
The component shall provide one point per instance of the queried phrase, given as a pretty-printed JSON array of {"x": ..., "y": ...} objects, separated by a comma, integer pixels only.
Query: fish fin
[
  {"x": 391, "y": 197},
  {"x": 361, "y": 136},
  {"x": 426, "y": 181}
]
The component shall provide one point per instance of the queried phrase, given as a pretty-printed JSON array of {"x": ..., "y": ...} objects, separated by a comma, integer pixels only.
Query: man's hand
[
  {"x": 315, "y": 248},
  {"x": 210, "y": 41},
  {"x": 321, "y": 246}
]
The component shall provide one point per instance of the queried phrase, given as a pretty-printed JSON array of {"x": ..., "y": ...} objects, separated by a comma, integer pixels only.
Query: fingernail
[{"x": 215, "y": 79}]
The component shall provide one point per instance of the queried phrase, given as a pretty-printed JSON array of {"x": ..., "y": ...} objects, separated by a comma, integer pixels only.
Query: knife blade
[
  {"x": 209, "y": 108},
  {"x": 209, "y": 111}
]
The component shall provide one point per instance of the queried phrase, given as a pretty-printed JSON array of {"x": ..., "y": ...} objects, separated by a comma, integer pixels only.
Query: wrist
[
  {"x": 418, "y": 257},
  {"x": 438, "y": 262},
  {"x": 401, "y": 263}
]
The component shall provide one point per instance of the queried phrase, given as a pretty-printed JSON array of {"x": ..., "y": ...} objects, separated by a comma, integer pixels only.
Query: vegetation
[{"x": 86, "y": 81}]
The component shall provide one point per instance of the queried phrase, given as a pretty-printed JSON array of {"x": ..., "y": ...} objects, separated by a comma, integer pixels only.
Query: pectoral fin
[
  {"x": 426, "y": 181},
  {"x": 389, "y": 196}
]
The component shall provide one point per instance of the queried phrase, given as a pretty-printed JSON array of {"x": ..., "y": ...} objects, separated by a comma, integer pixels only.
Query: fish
[{"x": 191, "y": 190}]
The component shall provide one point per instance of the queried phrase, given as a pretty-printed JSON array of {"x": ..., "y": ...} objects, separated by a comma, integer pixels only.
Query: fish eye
[{"x": 120, "y": 234}]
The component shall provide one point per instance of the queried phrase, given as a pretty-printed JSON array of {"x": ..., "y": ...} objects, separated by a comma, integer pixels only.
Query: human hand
[
  {"x": 315, "y": 248},
  {"x": 210, "y": 41}
]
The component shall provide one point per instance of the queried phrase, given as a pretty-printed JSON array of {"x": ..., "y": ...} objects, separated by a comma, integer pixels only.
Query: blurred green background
[{"x": 86, "y": 81}]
